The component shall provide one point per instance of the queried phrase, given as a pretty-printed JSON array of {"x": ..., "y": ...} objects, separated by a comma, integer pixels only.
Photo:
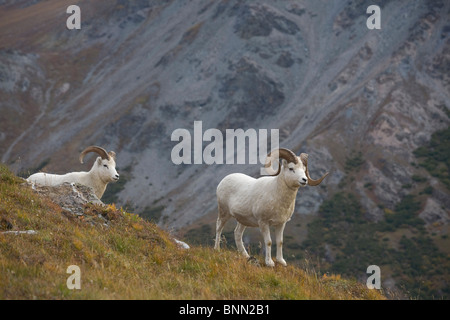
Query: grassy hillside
[{"x": 130, "y": 258}]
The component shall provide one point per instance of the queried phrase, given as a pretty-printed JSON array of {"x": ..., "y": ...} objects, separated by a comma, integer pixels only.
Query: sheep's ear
[
  {"x": 304, "y": 159},
  {"x": 99, "y": 160},
  {"x": 284, "y": 163}
]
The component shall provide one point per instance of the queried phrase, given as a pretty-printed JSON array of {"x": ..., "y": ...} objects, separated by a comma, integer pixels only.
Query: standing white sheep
[
  {"x": 102, "y": 172},
  {"x": 263, "y": 202}
]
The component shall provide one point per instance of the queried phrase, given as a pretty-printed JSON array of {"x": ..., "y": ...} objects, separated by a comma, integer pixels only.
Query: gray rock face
[
  {"x": 250, "y": 94},
  {"x": 138, "y": 70},
  {"x": 260, "y": 20},
  {"x": 71, "y": 197},
  {"x": 434, "y": 213}
]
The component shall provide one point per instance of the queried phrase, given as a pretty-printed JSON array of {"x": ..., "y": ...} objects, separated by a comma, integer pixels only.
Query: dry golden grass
[{"x": 132, "y": 259}]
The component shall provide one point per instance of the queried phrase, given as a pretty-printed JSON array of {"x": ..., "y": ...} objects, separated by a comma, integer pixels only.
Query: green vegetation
[
  {"x": 345, "y": 242},
  {"x": 354, "y": 163},
  {"x": 152, "y": 214},
  {"x": 405, "y": 215},
  {"x": 418, "y": 179},
  {"x": 132, "y": 258},
  {"x": 369, "y": 185},
  {"x": 436, "y": 156},
  {"x": 351, "y": 238},
  {"x": 427, "y": 190},
  {"x": 421, "y": 268}
]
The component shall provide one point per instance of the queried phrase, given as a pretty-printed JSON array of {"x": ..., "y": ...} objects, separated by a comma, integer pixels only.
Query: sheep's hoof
[
  {"x": 282, "y": 262},
  {"x": 270, "y": 263}
]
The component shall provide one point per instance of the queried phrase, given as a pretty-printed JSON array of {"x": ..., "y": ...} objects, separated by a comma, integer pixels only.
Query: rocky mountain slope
[{"x": 138, "y": 70}]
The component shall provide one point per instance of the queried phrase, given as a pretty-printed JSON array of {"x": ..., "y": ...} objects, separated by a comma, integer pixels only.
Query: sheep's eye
[
  {"x": 105, "y": 166},
  {"x": 291, "y": 169}
]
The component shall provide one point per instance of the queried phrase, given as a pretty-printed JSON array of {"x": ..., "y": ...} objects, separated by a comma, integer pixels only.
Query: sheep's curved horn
[
  {"x": 311, "y": 182},
  {"x": 102, "y": 152},
  {"x": 282, "y": 153}
]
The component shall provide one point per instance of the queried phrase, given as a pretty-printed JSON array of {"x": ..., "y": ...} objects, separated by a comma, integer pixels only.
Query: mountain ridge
[{"x": 139, "y": 70}]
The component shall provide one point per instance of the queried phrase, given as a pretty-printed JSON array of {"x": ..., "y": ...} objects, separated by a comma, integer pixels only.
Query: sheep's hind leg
[
  {"x": 238, "y": 232},
  {"x": 221, "y": 220}
]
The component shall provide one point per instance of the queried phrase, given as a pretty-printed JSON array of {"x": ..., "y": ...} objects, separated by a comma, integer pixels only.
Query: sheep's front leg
[
  {"x": 279, "y": 239},
  {"x": 265, "y": 230}
]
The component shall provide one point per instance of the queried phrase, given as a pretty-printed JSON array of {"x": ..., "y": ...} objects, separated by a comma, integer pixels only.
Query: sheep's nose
[
  {"x": 117, "y": 176},
  {"x": 304, "y": 179}
]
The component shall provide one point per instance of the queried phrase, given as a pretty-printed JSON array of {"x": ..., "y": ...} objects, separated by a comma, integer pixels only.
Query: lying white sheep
[
  {"x": 102, "y": 172},
  {"x": 264, "y": 202}
]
